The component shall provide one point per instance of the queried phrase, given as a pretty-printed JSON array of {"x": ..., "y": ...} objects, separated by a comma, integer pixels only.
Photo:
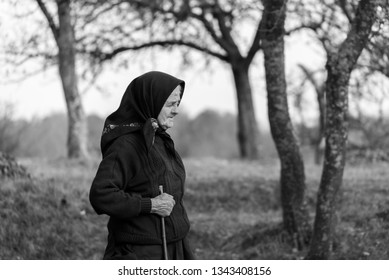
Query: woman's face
[{"x": 170, "y": 109}]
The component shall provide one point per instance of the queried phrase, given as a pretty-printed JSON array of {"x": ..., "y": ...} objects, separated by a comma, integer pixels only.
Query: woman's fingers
[
  {"x": 162, "y": 204},
  {"x": 168, "y": 205}
]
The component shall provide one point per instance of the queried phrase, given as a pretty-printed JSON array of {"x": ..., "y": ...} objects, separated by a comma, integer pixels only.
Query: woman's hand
[{"x": 162, "y": 205}]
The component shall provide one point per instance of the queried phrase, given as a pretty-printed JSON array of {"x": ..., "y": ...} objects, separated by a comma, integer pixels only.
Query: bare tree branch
[
  {"x": 107, "y": 56},
  {"x": 314, "y": 26},
  {"x": 256, "y": 44},
  {"x": 189, "y": 12},
  {"x": 92, "y": 82},
  {"x": 208, "y": 26},
  {"x": 343, "y": 6},
  {"x": 50, "y": 19},
  {"x": 225, "y": 30},
  {"x": 92, "y": 17},
  {"x": 27, "y": 75},
  {"x": 309, "y": 74}
]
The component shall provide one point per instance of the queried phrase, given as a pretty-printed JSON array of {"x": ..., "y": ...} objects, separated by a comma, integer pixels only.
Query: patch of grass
[
  {"x": 49, "y": 216},
  {"x": 233, "y": 206}
]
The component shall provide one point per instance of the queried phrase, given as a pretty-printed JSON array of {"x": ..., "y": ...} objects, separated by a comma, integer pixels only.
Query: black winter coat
[{"x": 128, "y": 177}]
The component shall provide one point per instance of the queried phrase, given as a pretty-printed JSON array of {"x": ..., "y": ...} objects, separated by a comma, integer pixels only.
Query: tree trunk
[
  {"x": 295, "y": 215},
  {"x": 77, "y": 128},
  {"x": 339, "y": 67},
  {"x": 321, "y": 100},
  {"x": 247, "y": 124}
]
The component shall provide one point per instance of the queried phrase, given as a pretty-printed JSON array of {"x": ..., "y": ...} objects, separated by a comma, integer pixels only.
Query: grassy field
[{"x": 233, "y": 207}]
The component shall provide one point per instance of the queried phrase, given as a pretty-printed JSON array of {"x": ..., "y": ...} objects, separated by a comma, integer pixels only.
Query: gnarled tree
[
  {"x": 57, "y": 33},
  {"x": 339, "y": 65},
  {"x": 292, "y": 179},
  {"x": 64, "y": 37}
]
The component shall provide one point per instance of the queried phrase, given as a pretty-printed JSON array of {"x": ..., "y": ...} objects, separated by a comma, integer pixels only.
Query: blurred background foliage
[{"x": 208, "y": 134}]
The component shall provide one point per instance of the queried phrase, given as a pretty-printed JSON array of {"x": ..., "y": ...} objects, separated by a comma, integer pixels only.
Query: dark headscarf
[{"x": 140, "y": 106}]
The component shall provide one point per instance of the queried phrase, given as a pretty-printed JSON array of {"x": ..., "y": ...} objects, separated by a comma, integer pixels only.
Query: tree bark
[
  {"x": 77, "y": 128},
  {"x": 321, "y": 100},
  {"x": 295, "y": 215},
  {"x": 248, "y": 132},
  {"x": 339, "y": 67}
]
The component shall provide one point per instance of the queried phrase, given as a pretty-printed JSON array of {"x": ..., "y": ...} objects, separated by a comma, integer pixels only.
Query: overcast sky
[{"x": 42, "y": 94}]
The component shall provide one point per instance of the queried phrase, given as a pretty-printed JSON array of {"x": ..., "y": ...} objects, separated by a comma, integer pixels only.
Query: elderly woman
[{"x": 138, "y": 158}]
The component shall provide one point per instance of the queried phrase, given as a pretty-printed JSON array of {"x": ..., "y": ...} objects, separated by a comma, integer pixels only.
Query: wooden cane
[{"x": 163, "y": 231}]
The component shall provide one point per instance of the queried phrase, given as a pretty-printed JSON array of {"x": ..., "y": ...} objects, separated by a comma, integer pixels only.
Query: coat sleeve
[{"x": 107, "y": 195}]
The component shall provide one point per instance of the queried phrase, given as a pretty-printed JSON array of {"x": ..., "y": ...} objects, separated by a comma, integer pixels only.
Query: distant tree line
[{"x": 206, "y": 135}]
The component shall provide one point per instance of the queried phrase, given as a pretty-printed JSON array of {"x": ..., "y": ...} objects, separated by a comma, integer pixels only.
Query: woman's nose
[{"x": 175, "y": 110}]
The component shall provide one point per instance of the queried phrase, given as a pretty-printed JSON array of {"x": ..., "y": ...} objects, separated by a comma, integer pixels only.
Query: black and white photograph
[{"x": 194, "y": 130}]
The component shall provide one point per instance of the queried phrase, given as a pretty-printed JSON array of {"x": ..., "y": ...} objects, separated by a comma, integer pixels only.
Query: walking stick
[{"x": 163, "y": 231}]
